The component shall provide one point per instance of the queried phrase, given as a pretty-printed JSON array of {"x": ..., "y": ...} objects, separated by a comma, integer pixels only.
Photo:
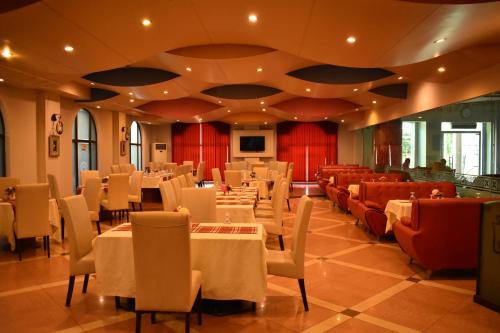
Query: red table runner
[{"x": 197, "y": 228}]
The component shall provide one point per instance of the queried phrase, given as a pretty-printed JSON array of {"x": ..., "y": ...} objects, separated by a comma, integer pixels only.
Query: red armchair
[{"x": 326, "y": 173}]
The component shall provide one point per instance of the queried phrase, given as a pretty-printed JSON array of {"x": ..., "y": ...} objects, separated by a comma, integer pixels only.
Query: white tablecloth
[
  {"x": 7, "y": 222},
  {"x": 353, "y": 190},
  {"x": 395, "y": 210},
  {"x": 154, "y": 180},
  {"x": 237, "y": 213},
  {"x": 233, "y": 265}
]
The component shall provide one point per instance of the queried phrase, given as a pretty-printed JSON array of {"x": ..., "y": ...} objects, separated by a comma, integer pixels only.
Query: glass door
[{"x": 462, "y": 151}]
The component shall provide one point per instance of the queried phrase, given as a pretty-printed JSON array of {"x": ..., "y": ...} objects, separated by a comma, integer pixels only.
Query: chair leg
[
  {"x": 117, "y": 302},
  {"x": 85, "y": 283},
  {"x": 18, "y": 248},
  {"x": 133, "y": 206},
  {"x": 303, "y": 292},
  {"x": 62, "y": 229},
  {"x": 410, "y": 261},
  {"x": 126, "y": 212},
  {"x": 188, "y": 317},
  {"x": 199, "y": 306},
  {"x": 153, "y": 317},
  {"x": 44, "y": 243},
  {"x": 71, "y": 285},
  {"x": 282, "y": 244},
  {"x": 98, "y": 225},
  {"x": 138, "y": 322},
  {"x": 48, "y": 246},
  {"x": 140, "y": 206},
  {"x": 288, "y": 202}
]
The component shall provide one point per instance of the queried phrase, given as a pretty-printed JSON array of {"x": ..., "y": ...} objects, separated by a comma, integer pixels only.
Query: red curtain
[
  {"x": 215, "y": 143},
  {"x": 317, "y": 141},
  {"x": 186, "y": 143}
]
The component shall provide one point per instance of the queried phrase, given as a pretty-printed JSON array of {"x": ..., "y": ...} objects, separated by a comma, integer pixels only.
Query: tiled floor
[{"x": 354, "y": 284}]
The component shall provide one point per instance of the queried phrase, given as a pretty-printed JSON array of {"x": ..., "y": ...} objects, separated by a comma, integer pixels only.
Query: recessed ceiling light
[
  {"x": 342, "y": 120},
  {"x": 265, "y": 123},
  {"x": 441, "y": 69},
  {"x": 165, "y": 92},
  {"x": 189, "y": 69},
  {"x": 1, "y": 79},
  {"x": 325, "y": 118},
  {"x": 351, "y": 39},
  {"x": 219, "y": 102},
  {"x": 259, "y": 69},
  {"x": 236, "y": 123},
  {"x": 228, "y": 111},
  {"x": 374, "y": 102},
  {"x": 308, "y": 89},
  {"x": 295, "y": 118},
  {"x": 261, "y": 102},
  {"x": 177, "y": 120},
  {"x": 440, "y": 40},
  {"x": 92, "y": 83},
  {"x": 264, "y": 109},
  {"x": 149, "y": 123},
  {"x": 356, "y": 109},
  {"x": 98, "y": 106},
  {"x": 131, "y": 93},
  {"x": 132, "y": 100},
  {"x": 200, "y": 119},
  {"x": 146, "y": 22},
  {"x": 355, "y": 89},
  {"x": 69, "y": 48},
  {"x": 400, "y": 78},
  {"x": 6, "y": 52},
  {"x": 252, "y": 18}
]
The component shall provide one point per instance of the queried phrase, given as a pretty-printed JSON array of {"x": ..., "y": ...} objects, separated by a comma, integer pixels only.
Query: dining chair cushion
[{"x": 168, "y": 196}]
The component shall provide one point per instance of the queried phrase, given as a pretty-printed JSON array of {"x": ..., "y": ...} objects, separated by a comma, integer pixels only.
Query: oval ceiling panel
[
  {"x": 8, "y": 5},
  {"x": 99, "y": 94},
  {"x": 131, "y": 76},
  {"x": 221, "y": 51},
  {"x": 399, "y": 90},
  {"x": 241, "y": 91},
  {"x": 331, "y": 74},
  {"x": 181, "y": 108}
]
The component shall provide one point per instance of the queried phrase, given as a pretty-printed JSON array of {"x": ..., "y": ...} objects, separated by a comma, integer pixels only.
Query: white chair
[
  {"x": 289, "y": 181},
  {"x": 164, "y": 279},
  {"x": 127, "y": 168},
  {"x": 282, "y": 167},
  {"x": 201, "y": 204},
  {"x": 55, "y": 194},
  {"x": 268, "y": 204},
  {"x": 190, "y": 165},
  {"x": 87, "y": 174},
  {"x": 273, "y": 165},
  {"x": 290, "y": 263},
  {"x": 290, "y": 175},
  {"x": 154, "y": 166},
  {"x": 93, "y": 194},
  {"x": 274, "y": 225},
  {"x": 182, "y": 181},
  {"x": 6, "y": 182},
  {"x": 117, "y": 198},
  {"x": 190, "y": 179},
  {"x": 168, "y": 197},
  {"x": 177, "y": 189},
  {"x": 135, "y": 194},
  {"x": 115, "y": 168},
  {"x": 216, "y": 177},
  {"x": 170, "y": 167},
  {"x": 81, "y": 253},
  {"x": 227, "y": 166},
  {"x": 32, "y": 215},
  {"x": 232, "y": 177},
  {"x": 261, "y": 172},
  {"x": 200, "y": 174},
  {"x": 239, "y": 165}
]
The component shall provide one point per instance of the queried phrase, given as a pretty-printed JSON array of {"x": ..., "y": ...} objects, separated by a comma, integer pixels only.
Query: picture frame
[
  {"x": 123, "y": 148},
  {"x": 54, "y": 146}
]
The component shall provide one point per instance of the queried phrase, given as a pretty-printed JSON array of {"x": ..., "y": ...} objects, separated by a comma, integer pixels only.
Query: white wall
[{"x": 350, "y": 146}]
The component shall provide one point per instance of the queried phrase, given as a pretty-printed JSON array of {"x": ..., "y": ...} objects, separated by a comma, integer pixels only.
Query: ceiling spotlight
[
  {"x": 325, "y": 118},
  {"x": 69, "y": 48},
  {"x": 355, "y": 89},
  {"x": 356, "y": 109},
  {"x": 342, "y": 120},
  {"x": 261, "y": 102},
  {"x": 252, "y": 18},
  {"x": 200, "y": 119},
  {"x": 98, "y": 106},
  {"x": 259, "y": 69},
  {"x": 351, "y": 39},
  {"x": 264, "y": 109},
  {"x": 92, "y": 83},
  {"x": 132, "y": 100},
  {"x": 188, "y": 69},
  {"x": 228, "y": 111},
  {"x": 441, "y": 69},
  {"x": 177, "y": 120},
  {"x": 439, "y": 41},
  {"x": 131, "y": 93},
  {"x": 6, "y": 53},
  {"x": 295, "y": 118},
  {"x": 265, "y": 123},
  {"x": 149, "y": 123},
  {"x": 419, "y": 117},
  {"x": 400, "y": 78},
  {"x": 1, "y": 79},
  {"x": 374, "y": 102},
  {"x": 236, "y": 123},
  {"x": 308, "y": 89},
  {"x": 146, "y": 22},
  {"x": 165, "y": 92},
  {"x": 220, "y": 102}
]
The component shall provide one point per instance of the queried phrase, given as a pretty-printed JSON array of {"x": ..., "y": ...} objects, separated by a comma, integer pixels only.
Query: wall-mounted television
[{"x": 252, "y": 143}]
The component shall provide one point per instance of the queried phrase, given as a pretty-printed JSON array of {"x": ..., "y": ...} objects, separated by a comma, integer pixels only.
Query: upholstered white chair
[
  {"x": 168, "y": 196},
  {"x": 92, "y": 192},
  {"x": 290, "y": 175},
  {"x": 282, "y": 167},
  {"x": 289, "y": 181},
  {"x": 32, "y": 215},
  {"x": 6, "y": 182},
  {"x": 55, "y": 194},
  {"x": 177, "y": 189},
  {"x": 216, "y": 177},
  {"x": 81, "y": 253},
  {"x": 164, "y": 279},
  {"x": 127, "y": 168},
  {"x": 190, "y": 164},
  {"x": 261, "y": 172},
  {"x": 115, "y": 168},
  {"x": 274, "y": 224},
  {"x": 201, "y": 204},
  {"x": 290, "y": 263},
  {"x": 232, "y": 177},
  {"x": 227, "y": 166},
  {"x": 264, "y": 205},
  {"x": 273, "y": 165},
  {"x": 239, "y": 165},
  {"x": 154, "y": 166},
  {"x": 182, "y": 181},
  {"x": 117, "y": 197},
  {"x": 190, "y": 179},
  {"x": 170, "y": 167},
  {"x": 86, "y": 174},
  {"x": 135, "y": 191},
  {"x": 200, "y": 174}
]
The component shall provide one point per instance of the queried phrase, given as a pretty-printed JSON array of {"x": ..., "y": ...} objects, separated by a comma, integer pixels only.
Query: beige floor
[{"x": 354, "y": 284}]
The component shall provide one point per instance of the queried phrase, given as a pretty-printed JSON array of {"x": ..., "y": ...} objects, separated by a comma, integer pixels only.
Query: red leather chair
[
  {"x": 442, "y": 233},
  {"x": 373, "y": 198},
  {"x": 326, "y": 173}
]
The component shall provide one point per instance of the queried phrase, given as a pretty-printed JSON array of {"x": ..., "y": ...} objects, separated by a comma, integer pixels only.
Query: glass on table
[{"x": 412, "y": 196}]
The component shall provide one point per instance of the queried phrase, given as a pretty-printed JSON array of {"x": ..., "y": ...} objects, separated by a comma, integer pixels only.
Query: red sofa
[
  {"x": 326, "y": 173},
  {"x": 338, "y": 193},
  {"x": 442, "y": 234},
  {"x": 373, "y": 198}
]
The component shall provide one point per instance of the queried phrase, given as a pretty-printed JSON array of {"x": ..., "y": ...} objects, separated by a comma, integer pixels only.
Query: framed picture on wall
[
  {"x": 123, "y": 148},
  {"x": 54, "y": 146}
]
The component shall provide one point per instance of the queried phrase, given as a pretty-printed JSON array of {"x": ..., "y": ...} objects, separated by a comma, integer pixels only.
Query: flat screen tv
[{"x": 252, "y": 143}]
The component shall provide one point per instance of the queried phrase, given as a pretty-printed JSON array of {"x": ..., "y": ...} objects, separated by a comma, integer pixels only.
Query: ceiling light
[
  {"x": 188, "y": 69},
  {"x": 342, "y": 120},
  {"x": 265, "y": 123},
  {"x": 252, "y": 18},
  {"x": 69, "y": 48},
  {"x": 146, "y": 22},
  {"x": 219, "y": 102},
  {"x": 440, "y": 40},
  {"x": 356, "y": 109},
  {"x": 92, "y": 83},
  {"x": 131, "y": 93},
  {"x": 259, "y": 69},
  {"x": 165, "y": 92},
  {"x": 200, "y": 119},
  {"x": 325, "y": 118},
  {"x": 351, "y": 39},
  {"x": 264, "y": 110},
  {"x": 355, "y": 89},
  {"x": 261, "y": 102},
  {"x": 295, "y": 118},
  {"x": 400, "y": 78},
  {"x": 6, "y": 53},
  {"x": 1, "y": 79},
  {"x": 98, "y": 106},
  {"x": 177, "y": 120},
  {"x": 149, "y": 123},
  {"x": 236, "y": 123},
  {"x": 374, "y": 102},
  {"x": 131, "y": 100},
  {"x": 419, "y": 117},
  {"x": 441, "y": 69},
  {"x": 228, "y": 111},
  {"x": 308, "y": 89}
]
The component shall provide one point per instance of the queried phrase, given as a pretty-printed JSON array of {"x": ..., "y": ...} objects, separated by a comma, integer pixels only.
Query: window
[
  {"x": 136, "y": 145},
  {"x": 414, "y": 143},
  {"x": 2, "y": 147},
  {"x": 84, "y": 145}
]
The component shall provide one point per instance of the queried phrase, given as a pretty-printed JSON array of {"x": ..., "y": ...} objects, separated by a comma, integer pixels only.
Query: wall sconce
[
  {"x": 125, "y": 134},
  {"x": 57, "y": 124}
]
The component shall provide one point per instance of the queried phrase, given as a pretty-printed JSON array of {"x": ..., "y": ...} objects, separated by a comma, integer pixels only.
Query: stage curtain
[
  {"x": 186, "y": 143},
  {"x": 215, "y": 143}
]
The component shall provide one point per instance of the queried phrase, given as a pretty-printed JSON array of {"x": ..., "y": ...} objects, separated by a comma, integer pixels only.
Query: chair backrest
[
  {"x": 239, "y": 165},
  {"x": 282, "y": 167},
  {"x": 190, "y": 164},
  {"x": 7, "y": 182},
  {"x": 261, "y": 172},
  {"x": 289, "y": 181},
  {"x": 127, "y": 168},
  {"x": 189, "y": 179},
  {"x": 170, "y": 167},
  {"x": 118, "y": 191},
  {"x": 136, "y": 183},
  {"x": 177, "y": 189},
  {"x": 32, "y": 210},
  {"x": 232, "y": 177},
  {"x": 273, "y": 165},
  {"x": 168, "y": 197},
  {"x": 227, "y": 166},
  {"x": 75, "y": 213},
  {"x": 274, "y": 191},
  {"x": 54, "y": 188},
  {"x": 300, "y": 232},
  {"x": 216, "y": 177},
  {"x": 87, "y": 174},
  {"x": 162, "y": 260},
  {"x": 278, "y": 202},
  {"x": 201, "y": 204},
  {"x": 115, "y": 168},
  {"x": 92, "y": 194},
  {"x": 200, "y": 171},
  {"x": 182, "y": 180}
]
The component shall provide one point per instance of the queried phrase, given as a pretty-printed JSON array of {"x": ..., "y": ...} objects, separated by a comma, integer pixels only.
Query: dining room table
[
  {"x": 353, "y": 190},
  {"x": 237, "y": 205},
  {"x": 395, "y": 210},
  {"x": 232, "y": 259}
]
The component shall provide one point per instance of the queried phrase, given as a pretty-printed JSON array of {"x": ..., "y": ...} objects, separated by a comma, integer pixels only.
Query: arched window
[
  {"x": 136, "y": 145},
  {"x": 2, "y": 147},
  {"x": 84, "y": 145}
]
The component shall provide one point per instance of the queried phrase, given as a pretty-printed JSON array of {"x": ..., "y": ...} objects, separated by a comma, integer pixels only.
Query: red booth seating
[
  {"x": 338, "y": 193},
  {"x": 373, "y": 198},
  {"x": 324, "y": 176},
  {"x": 442, "y": 234}
]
